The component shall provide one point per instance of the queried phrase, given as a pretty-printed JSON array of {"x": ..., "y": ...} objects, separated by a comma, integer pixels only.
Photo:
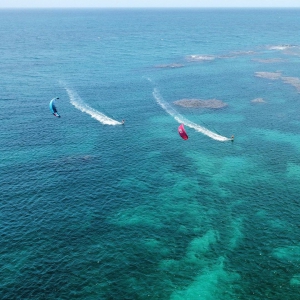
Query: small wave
[
  {"x": 78, "y": 103},
  {"x": 258, "y": 100},
  {"x": 180, "y": 119},
  {"x": 200, "y": 58},
  {"x": 280, "y": 47}
]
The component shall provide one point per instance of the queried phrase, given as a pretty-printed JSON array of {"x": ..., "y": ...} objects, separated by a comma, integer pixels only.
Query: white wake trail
[
  {"x": 180, "y": 119},
  {"x": 76, "y": 101}
]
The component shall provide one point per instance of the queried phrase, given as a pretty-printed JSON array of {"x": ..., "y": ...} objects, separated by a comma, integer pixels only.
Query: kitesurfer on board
[{"x": 123, "y": 122}]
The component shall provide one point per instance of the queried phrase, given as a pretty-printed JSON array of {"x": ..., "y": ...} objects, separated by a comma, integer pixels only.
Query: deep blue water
[{"x": 91, "y": 209}]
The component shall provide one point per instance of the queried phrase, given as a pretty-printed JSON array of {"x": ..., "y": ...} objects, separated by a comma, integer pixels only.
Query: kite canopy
[
  {"x": 53, "y": 108},
  {"x": 182, "y": 132}
]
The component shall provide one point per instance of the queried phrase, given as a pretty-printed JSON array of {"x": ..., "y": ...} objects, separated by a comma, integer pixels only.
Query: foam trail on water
[
  {"x": 180, "y": 119},
  {"x": 76, "y": 101}
]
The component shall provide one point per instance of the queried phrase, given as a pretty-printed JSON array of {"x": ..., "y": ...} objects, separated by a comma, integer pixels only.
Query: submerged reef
[
  {"x": 210, "y": 103},
  {"x": 268, "y": 75},
  {"x": 293, "y": 81},
  {"x": 268, "y": 61},
  {"x": 170, "y": 66}
]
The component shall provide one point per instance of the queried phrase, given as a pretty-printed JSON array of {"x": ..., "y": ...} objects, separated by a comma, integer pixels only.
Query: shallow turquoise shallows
[{"x": 91, "y": 208}]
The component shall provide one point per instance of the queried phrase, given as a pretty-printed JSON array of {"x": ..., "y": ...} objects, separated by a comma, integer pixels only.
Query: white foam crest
[
  {"x": 180, "y": 119},
  {"x": 281, "y": 47},
  {"x": 78, "y": 103},
  {"x": 200, "y": 57}
]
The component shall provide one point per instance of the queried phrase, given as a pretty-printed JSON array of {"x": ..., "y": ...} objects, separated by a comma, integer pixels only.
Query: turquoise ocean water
[{"x": 91, "y": 209}]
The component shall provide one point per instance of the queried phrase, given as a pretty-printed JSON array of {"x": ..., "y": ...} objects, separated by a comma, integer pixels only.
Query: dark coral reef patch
[{"x": 199, "y": 103}]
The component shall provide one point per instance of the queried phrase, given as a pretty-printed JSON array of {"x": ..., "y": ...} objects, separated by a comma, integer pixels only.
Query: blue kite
[{"x": 53, "y": 107}]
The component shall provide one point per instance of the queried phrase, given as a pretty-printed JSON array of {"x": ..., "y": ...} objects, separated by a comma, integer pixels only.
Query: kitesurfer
[
  {"x": 123, "y": 122},
  {"x": 182, "y": 132},
  {"x": 232, "y": 138},
  {"x": 53, "y": 108}
]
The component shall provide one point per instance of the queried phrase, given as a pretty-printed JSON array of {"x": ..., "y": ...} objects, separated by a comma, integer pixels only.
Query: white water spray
[
  {"x": 78, "y": 103},
  {"x": 180, "y": 119}
]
